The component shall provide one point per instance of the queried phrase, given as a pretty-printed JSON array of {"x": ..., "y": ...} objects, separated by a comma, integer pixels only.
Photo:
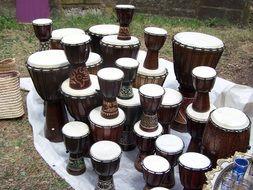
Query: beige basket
[
  {"x": 11, "y": 104},
  {"x": 7, "y": 65}
]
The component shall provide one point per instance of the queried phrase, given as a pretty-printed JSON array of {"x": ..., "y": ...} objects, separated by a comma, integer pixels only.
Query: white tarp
[{"x": 224, "y": 93}]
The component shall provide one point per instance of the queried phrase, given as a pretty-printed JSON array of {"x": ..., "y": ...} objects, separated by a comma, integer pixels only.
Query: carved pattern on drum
[
  {"x": 76, "y": 165},
  {"x": 109, "y": 109},
  {"x": 126, "y": 92},
  {"x": 105, "y": 185},
  {"x": 149, "y": 123},
  {"x": 79, "y": 78},
  {"x": 44, "y": 46},
  {"x": 124, "y": 33}
]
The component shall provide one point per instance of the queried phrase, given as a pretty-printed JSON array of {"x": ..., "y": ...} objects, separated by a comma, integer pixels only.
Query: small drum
[
  {"x": 48, "y": 69},
  {"x": 196, "y": 122},
  {"x": 125, "y": 14},
  {"x": 80, "y": 102},
  {"x": 110, "y": 80},
  {"x": 203, "y": 82},
  {"x": 169, "y": 108},
  {"x": 227, "y": 131},
  {"x": 159, "y": 188},
  {"x": 97, "y": 32},
  {"x": 192, "y": 168},
  {"x": 170, "y": 147},
  {"x": 132, "y": 109},
  {"x": 155, "y": 168},
  {"x": 57, "y": 35},
  {"x": 113, "y": 49},
  {"x": 151, "y": 96},
  {"x": 75, "y": 135},
  {"x": 148, "y": 76},
  {"x": 154, "y": 40},
  {"x": 105, "y": 159},
  {"x": 106, "y": 129},
  {"x": 129, "y": 66},
  {"x": 43, "y": 29},
  {"x": 192, "y": 49},
  {"x": 94, "y": 63},
  {"x": 145, "y": 142}
]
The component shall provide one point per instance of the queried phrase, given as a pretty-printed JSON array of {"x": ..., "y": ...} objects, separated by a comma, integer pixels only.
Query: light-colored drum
[{"x": 94, "y": 63}]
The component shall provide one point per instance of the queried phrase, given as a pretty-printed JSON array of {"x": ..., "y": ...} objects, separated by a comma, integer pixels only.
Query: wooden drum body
[
  {"x": 48, "y": 69},
  {"x": 113, "y": 49},
  {"x": 227, "y": 125}
]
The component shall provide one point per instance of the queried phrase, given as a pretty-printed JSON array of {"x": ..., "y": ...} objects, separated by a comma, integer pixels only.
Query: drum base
[
  {"x": 56, "y": 117},
  {"x": 105, "y": 183},
  {"x": 76, "y": 165}
]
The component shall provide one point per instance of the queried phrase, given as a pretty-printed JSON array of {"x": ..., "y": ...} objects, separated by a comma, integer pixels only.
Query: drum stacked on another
[{"x": 94, "y": 63}]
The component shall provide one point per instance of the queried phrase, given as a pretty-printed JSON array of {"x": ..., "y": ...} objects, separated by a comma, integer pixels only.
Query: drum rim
[
  {"x": 124, "y": 66},
  {"x": 145, "y": 137},
  {"x": 156, "y": 173},
  {"x": 198, "y": 120},
  {"x": 155, "y": 34},
  {"x": 172, "y": 105},
  {"x": 152, "y": 77},
  {"x": 204, "y": 78},
  {"x": 171, "y": 153},
  {"x": 133, "y": 45},
  {"x": 50, "y": 21},
  {"x": 47, "y": 69},
  {"x": 77, "y": 44},
  {"x": 102, "y": 35},
  {"x": 106, "y": 161},
  {"x": 111, "y": 80},
  {"x": 71, "y": 137},
  {"x": 140, "y": 72},
  {"x": 74, "y": 30},
  {"x": 97, "y": 62},
  {"x": 153, "y": 97},
  {"x": 77, "y": 97},
  {"x": 124, "y": 6}
]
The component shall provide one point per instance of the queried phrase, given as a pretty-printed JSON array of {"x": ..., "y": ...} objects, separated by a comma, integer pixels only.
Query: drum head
[
  {"x": 152, "y": 90},
  {"x": 125, "y": 6},
  {"x": 75, "y": 39},
  {"x": 230, "y": 119},
  {"x": 159, "y": 188},
  {"x": 198, "y": 40},
  {"x": 91, "y": 90},
  {"x": 171, "y": 97},
  {"x": 114, "y": 41},
  {"x": 160, "y": 71},
  {"x": 60, "y": 33},
  {"x": 110, "y": 73},
  {"x": 199, "y": 116},
  {"x": 138, "y": 131},
  {"x": 75, "y": 129},
  {"x": 93, "y": 59},
  {"x": 204, "y": 72},
  {"x": 155, "y": 31},
  {"x": 134, "y": 101},
  {"x": 42, "y": 22},
  {"x": 194, "y": 160},
  {"x": 105, "y": 151},
  {"x": 104, "y": 29},
  {"x": 48, "y": 59},
  {"x": 156, "y": 164},
  {"x": 126, "y": 62},
  {"x": 169, "y": 143}
]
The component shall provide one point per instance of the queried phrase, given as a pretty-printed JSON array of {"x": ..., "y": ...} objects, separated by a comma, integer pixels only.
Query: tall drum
[
  {"x": 105, "y": 159},
  {"x": 192, "y": 168},
  {"x": 97, "y": 32},
  {"x": 48, "y": 69},
  {"x": 227, "y": 125},
  {"x": 76, "y": 139}
]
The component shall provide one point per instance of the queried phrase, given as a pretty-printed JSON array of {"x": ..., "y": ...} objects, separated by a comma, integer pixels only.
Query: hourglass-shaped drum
[
  {"x": 155, "y": 168},
  {"x": 105, "y": 159},
  {"x": 129, "y": 66},
  {"x": 169, "y": 108},
  {"x": 203, "y": 81},
  {"x": 151, "y": 96},
  {"x": 154, "y": 40},
  {"x": 76, "y": 139},
  {"x": 43, "y": 29},
  {"x": 125, "y": 14},
  {"x": 48, "y": 69}
]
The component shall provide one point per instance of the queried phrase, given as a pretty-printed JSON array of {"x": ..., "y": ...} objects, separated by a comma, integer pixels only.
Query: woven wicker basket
[
  {"x": 11, "y": 105},
  {"x": 7, "y": 65}
]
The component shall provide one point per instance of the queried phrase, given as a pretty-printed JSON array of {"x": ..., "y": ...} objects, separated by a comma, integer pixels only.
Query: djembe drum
[
  {"x": 192, "y": 168},
  {"x": 159, "y": 188},
  {"x": 151, "y": 96},
  {"x": 169, "y": 108},
  {"x": 192, "y": 49},
  {"x": 43, "y": 29},
  {"x": 227, "y": 131},
  {"x": 170, "y": 147},
  {"x": 97, "y": 32},
  {"x": 94, "y": 63},
  {"x": 133, "y": 111},
  {"x": 203, "y": 81},
  {"x": 105, "y": 159},
  {"x": 75, "y": 135},
  {"x": 129, "y": 66},
  {"x": 113, "y": 49},
  {"x": 155, "y": 168},
  {"x": 196, "y": 122},
  {"x": 48, "y": 69},
  {"x": 125, "y": 14},
  {"x": 58, "y": 34},
  {"x": 145, "y": 142}
]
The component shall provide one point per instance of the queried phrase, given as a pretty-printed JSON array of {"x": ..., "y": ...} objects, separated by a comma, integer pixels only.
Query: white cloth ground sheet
[{"x": 224, "y": 93}]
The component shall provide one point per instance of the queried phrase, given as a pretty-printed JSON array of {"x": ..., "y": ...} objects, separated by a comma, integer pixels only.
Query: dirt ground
[{"x": 21, "y": 165}]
